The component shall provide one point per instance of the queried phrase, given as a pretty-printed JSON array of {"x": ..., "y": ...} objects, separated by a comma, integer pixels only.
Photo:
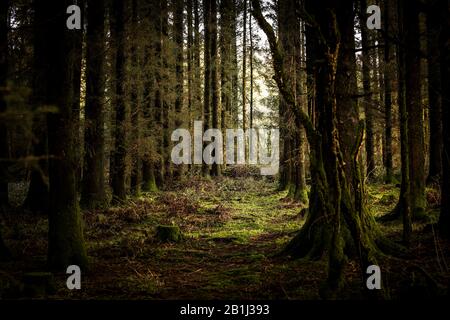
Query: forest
[{"x": 224, "y": 149}]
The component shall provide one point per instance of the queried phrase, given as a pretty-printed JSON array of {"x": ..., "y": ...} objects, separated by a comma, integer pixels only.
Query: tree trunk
[
  {"x": 388, "y": 72},
  {"x": 179, "y": 56},
  {"x": 227, "y": 24},
  {"x": 120, "y": 132},
  {"x": 414, "y": 109},
  {"x": 444, "y": 220},
  {"x": 93, "y": 185},
  {"x": 434, "y": 96},
  {"x": 150, "y": 134},
  {"x": 207, "y": 76},
  {"x": 337, "y": 221},
  {"x": 135, "y": 101},
  {"x": 66, "y": 242},
  {"x": 216, "y": 168},
  {"x": 244, "y": 70}
]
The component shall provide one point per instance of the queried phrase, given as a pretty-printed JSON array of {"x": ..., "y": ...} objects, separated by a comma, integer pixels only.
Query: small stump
[
  {"x": 168, "y": 233},
  {"x": 38, "y": 284}
]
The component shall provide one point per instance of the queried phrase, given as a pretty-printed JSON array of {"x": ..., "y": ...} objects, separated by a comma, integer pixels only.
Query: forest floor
[{"x": 232, "y": 230}]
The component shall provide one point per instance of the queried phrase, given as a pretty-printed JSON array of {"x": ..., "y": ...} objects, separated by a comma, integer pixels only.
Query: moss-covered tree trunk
[
  {"x": 93, "y": 185},
  {"x": 66, "y": 242},
  {"x": 337, "y": 222},
  {"x": 444, "y": 220},
  {"x": 150, "y": 165},
  {"x": 292, "y": 175}
]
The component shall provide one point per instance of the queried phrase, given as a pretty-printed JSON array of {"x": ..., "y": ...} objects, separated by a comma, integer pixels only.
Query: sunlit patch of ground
[{"x": 232, "y": 229}]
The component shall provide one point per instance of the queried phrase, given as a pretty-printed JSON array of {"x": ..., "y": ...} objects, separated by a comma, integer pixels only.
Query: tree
[
  {"x": 93, "y": 185},
  {"x": 337, "y": 219},
  {"x": 244, "y": 68},
  {"x": 150, "y": 165},
  {"x": 444, "y": 45},
  {"x": 66, "y": 242},
  {"x": 179, "y": 74},
  {"x": 120, "y": 133},
  {"x": 215, "y": 168},
  {"x": 388, "y": 86},
  {"x": 434, "y": 97},
  {"x": 414, "y": 109},
  {"x": 227, "y": 41},
  {"x": 135, "y": 100},
  {"x": 368, "y": 104},
  {"x": 207, "y": 75},
  {"x": 292, "y": 163}
]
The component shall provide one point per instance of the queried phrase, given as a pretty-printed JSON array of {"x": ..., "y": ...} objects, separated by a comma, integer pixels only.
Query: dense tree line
[{"x": 354, "y": 106}]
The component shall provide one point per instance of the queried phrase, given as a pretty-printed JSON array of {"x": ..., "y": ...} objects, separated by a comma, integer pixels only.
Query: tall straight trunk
[
  {"x": 207, "y": 76},
  {"x": 415, "y": 109},
  {"x": 368, "y": 103},
  {"x": 66, "y": 242},
  {"x": 250, "y": 27},
  {"x": 216, "y": 168},
  {"x": 135, "y": 101},
  {"x": 198, "y": 107},
  {"x": 244, "y": 68},
  {"x": 157, "y": 18},
  {"x": 166, "y": 90},
  {"x": 4, "y": 8},
  {"x": 234, "y": 69},
  {"x": 37, "y": 197},
  {"x": 444, "y": 219},
  {"x": 388, "y": 72},
  {"x": 404, "y": 204},
  {"x": 293, "y": 172},
  {"x": 150, "y": 133},
  {"x": 4, "y": 154},
  {"x": 93, "y": 185},
  {"x": 434, "y": 97},
  {"x": 120, "y": 132},
  {"x": 179, "y": 72},
  {"x": 190, "y": 59},
  {"x": 227, "y": 27}
]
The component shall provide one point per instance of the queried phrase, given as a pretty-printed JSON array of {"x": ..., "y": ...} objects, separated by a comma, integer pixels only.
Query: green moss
[{"x": 166, "y": 233}]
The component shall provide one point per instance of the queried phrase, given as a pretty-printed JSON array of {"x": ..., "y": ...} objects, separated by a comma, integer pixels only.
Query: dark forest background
[{"x": 86, "y": 176}]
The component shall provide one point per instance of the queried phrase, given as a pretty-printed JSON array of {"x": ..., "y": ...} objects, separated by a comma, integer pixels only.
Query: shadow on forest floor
[{"x": 231, "y": 230}]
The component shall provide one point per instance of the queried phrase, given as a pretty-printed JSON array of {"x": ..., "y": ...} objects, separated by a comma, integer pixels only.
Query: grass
[{"x": 232, "y": 228}]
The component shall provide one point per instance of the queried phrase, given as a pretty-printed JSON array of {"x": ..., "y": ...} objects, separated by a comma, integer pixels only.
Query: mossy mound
[{"x": 166, "y": 233}]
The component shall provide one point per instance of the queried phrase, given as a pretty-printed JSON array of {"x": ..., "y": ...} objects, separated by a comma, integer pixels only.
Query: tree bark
[
  {"x": 414, "y": 109},
  {"x": 66, "y": 242},
  {"x": 93, "y": 185},
  {"x": 120, "y": 132},
  {"x": 337, "y": 221},
  {"x": 388, "y": 72},
  {"x": 434, "y": 96},
  {"x": 368, "y": 103}
]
